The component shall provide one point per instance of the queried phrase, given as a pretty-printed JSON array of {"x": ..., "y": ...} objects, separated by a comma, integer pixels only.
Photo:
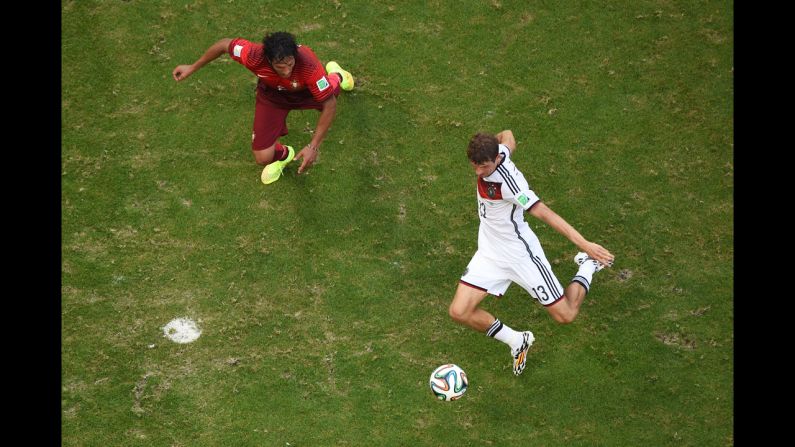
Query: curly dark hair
[
  {"x": 279, "y": 45},
  {"x": 482, "y": 148}
]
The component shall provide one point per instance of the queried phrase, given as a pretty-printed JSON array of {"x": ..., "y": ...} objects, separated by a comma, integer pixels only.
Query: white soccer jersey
[
  {"x": 503, "y": 197},
  {"x": 508, "y": 250}
]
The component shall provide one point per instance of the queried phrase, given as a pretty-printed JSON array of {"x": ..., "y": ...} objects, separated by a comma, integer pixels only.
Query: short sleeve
[
  {"x": 239, "y": 50},
  {"x": 320, "y": 87},
  {"x": 526, "y": 199},
  {"x": 515, "y": 186},
  {"x": 313, "y": 75}
]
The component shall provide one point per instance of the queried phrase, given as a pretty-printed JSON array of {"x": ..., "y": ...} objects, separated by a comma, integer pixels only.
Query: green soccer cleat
[
  {"x": 273, "y": 171},
  {"x": 347, "y": 78}
]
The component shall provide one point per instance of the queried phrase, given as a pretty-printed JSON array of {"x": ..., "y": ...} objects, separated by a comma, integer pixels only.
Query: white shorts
[{"x": 533, "y": 274}]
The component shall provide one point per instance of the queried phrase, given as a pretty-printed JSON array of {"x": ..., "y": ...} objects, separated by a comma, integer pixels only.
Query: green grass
[{"x": 323, "y": 297}]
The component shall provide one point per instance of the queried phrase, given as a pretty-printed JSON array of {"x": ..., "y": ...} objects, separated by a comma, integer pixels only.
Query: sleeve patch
[
  {"x": 322, "y": 84},
  {"x": 237, "y": 50},
  {"x": 523, "y": 199}
]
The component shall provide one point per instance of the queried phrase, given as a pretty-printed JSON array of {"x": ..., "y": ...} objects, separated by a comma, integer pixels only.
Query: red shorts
[{"x": 270, "y": 118}]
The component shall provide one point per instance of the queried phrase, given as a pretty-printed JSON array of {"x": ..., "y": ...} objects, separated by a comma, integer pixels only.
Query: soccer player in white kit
[{"x": 509, "y": 251}]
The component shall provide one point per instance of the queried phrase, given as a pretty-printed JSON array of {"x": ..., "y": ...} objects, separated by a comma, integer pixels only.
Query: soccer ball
[{"x": 448, "y": 382}]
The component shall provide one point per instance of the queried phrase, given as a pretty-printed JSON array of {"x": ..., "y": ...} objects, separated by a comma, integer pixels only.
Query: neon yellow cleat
[
  {"x": 273, "y": 171},
  {"x": 347, "y": 78}
]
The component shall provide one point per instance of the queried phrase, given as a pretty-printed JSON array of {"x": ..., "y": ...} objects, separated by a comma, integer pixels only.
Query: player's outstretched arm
[
  {"x": 309, "y": 153},
  {"x": 551, "y": 218},
  {"x": 214, "y": 52},
  {"x": 506, "y": 137}
]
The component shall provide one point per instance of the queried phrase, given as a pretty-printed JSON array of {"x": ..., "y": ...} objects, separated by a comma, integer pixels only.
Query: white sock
[
  {"x": 505, "y": 334},
  {"x": 584, "y": 275}
]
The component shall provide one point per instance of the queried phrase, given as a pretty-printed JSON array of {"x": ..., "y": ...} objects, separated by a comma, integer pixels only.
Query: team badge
[
  {"x": 294, "y": 84},
  {"x": 491, "y": 191}
]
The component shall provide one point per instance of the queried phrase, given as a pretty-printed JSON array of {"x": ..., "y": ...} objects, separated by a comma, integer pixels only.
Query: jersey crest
[{"x": 489, "y": 190}]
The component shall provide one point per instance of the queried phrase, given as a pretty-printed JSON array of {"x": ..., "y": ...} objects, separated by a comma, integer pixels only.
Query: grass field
[{"x": 322, "y": 298}]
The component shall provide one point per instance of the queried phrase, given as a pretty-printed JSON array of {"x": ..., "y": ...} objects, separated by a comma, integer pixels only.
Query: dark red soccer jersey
[{"x": 307, "y": 81}]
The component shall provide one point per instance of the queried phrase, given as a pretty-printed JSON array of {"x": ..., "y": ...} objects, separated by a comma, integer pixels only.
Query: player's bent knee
[
  {"x": 564, "y": 318},
  {"x": 264, "y": 157},
  {"x": 562, "y": 313},
  {"x": 262, "y": 160},
  {"x": 458, "y": 313}
]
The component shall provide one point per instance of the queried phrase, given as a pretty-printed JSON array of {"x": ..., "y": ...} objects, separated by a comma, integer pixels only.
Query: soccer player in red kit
[{"x": 290, "y": 76}]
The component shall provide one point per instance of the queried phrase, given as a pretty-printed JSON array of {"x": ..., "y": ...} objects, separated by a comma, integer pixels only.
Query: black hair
[{"x": 279, "y": 45}]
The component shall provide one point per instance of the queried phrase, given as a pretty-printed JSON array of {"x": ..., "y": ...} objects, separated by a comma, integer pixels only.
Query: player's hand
[
  {"x": 600, "y": 253},
  {"x": 308, "y": 155},
  {"x": 182, "y": 72}
]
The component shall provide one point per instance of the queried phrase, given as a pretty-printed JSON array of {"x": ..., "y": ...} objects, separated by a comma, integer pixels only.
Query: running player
[
  {"x": 508, "y": 250},
  {"x": 290, "y": 77}
]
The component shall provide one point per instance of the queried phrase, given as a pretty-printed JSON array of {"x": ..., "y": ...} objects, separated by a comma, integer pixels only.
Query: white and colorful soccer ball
[{"x": 448, "y": 382}]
